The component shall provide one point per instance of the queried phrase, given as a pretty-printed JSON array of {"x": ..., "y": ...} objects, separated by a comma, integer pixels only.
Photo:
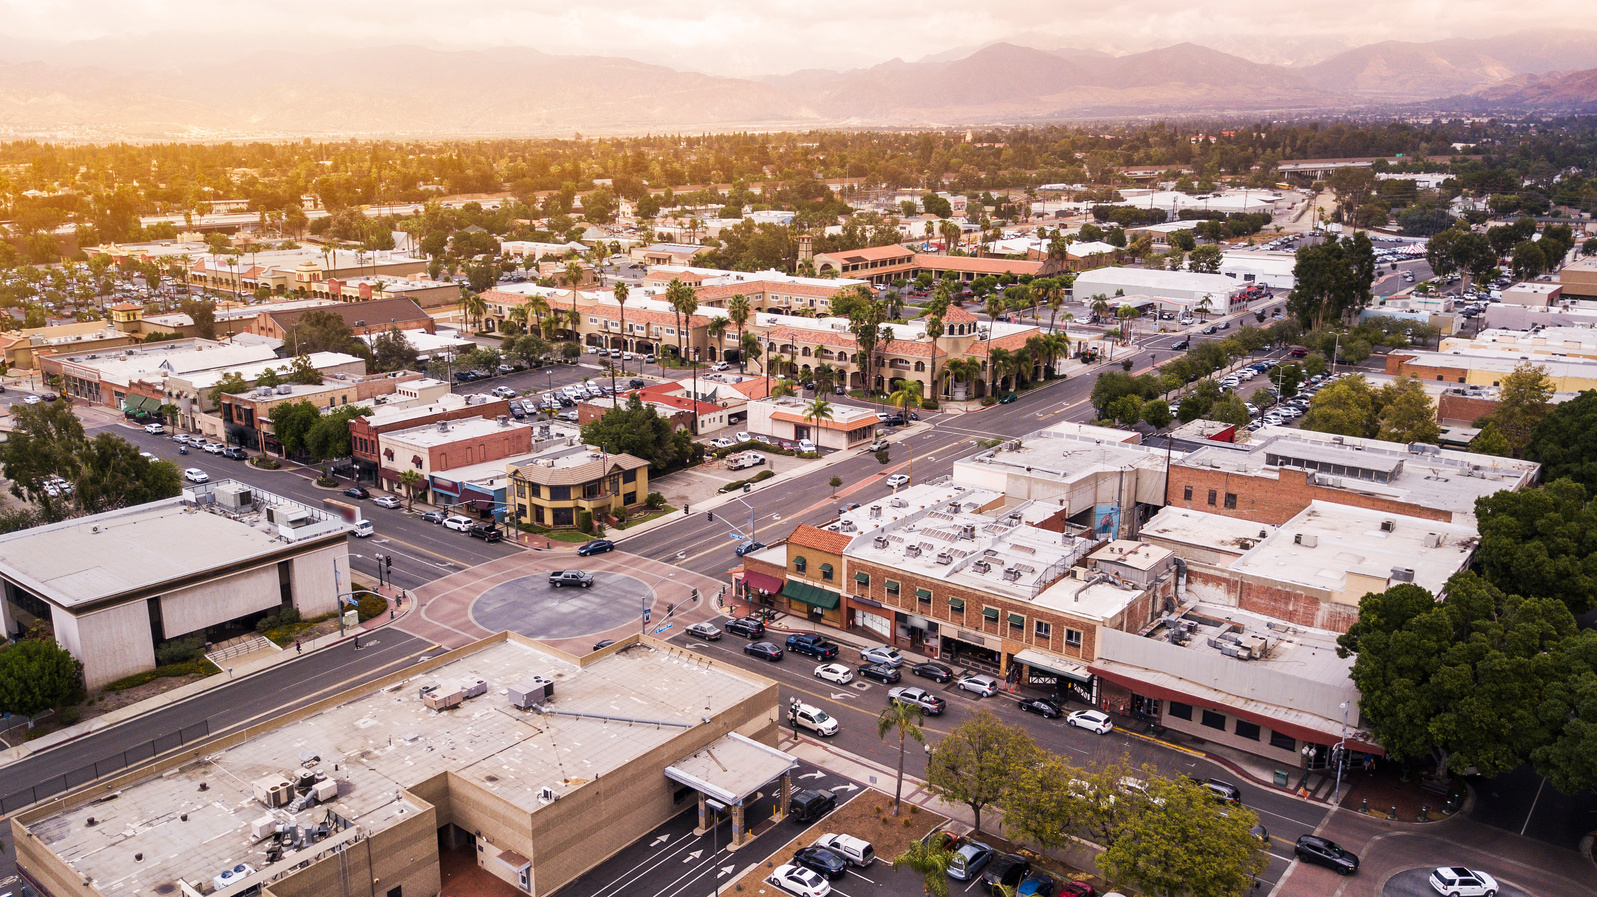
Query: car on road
[
  {"x": 351, "y": 492},
  {"x": 154, "y": 429},
  {"x": 835, "y": 673},
  {"x": 883, "y": 654},
  {"x": 31, "y": 400},
  {"x": 388, "y": 501},
  {"x": 898, "y": 479},
  {"x": 235, "y": 453},
  {"x": 433, "y": 516},
  {"x": 1008, "y": 399},
  {"x": 720, "y": 366},
  {"x": 1091, "y": 720},
  {"x": 983, "y": 686},
  {"x": 1325, "y": 852},
  {"x": 881, "y": 672},
  {"x": 561, "y": 578},
  {"x": 744, "y": 627},
  {"x": 929, "y": 704},
  {"x": 763, "y": 650},
  {"x": 812, "y": 643},
  {"x": 214, "y": 448},
  {"x": 706, "y": 631},
  {"x": 1223, "y": 791},
  {"x": 597, "y": 546},
  {"x": 504, "y": 392},
  {"x": 458, "y": 523},
  {"x": 1457, "y": 881},
  {"x": 813, "y": 718},
  {"x": 821, "y": 860},
  {"x": 1041, "y": 706},
  {"x": 486, "y": 532},
  {"x": 751, "y": 545},
  {"x": 807, "y": 806},
  {"x": 969, "y": 860},
  {"x": 930, "y": 669},
  {"x": 800, "y": 881},
  {"x": 1005, "y": 872},
  {"x": 196, "y": 475}
]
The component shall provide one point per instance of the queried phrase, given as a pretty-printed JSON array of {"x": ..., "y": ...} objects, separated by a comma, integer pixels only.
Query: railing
[{"x": 83, "y": 775}]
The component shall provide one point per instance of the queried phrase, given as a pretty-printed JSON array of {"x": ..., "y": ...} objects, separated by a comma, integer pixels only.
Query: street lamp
[{"x": 1340, "y": 755}]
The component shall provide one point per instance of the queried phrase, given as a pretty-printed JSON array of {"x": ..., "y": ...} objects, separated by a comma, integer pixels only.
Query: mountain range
[{"x": 105, "y": 91}]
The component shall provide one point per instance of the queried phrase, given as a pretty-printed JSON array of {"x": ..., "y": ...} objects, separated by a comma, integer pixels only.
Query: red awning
[
  {"x": 760, "y": 582},
  {"x": 1330, "y": 735}
]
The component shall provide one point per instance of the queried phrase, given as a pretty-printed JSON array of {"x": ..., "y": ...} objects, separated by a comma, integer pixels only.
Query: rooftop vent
[
  {"x": 945, "y": 558},
  {"x": 981, "y": 566},
  {"x": 1388, "y": 525},
  {"x": 1432, "y": 540},
  {"x": 880, "y": 542},
  {"x": 912, "y": 551},
  {"x": 1307, "y": 540},
  {"x": 1402, "y": 574},
  {"x": 1012, "y": 574}
]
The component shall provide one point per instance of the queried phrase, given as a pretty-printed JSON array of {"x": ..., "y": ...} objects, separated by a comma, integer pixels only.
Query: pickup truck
[
  {"x": 812, "y": 644},
  {"x": 743, "y": 460},
  {"x": 571, "y": 578},
  {"x": 486, "y": 532}
]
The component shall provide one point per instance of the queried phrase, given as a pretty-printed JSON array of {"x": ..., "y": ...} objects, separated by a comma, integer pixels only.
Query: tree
[
  {"x": 391, "y": 351},
  {"x": 1490, "y": 441},
  {"x": 37, "y": 675},
  {"x": 1568, "y": 758},
  {"x": 930, "y": 862},
  {"x": 1406, "y": 414},
  {"x": 1346, "y": 407},
  {"x": 1157, "y": 413},
  {"x": 934, "y": 332},
  {"x": 906, "y": 398},
  {"x": 115, "y": 475},
  {"x": 738, "y": 311},
  {"x": 905, "y": 719},
  {"x": 1333, "y": 280},
  {"x": 292, "y": 423},
  {"x": 1540, "y": 542},
  {"x": 817, "y": 410},
  {"x": 1562, "y": 441},
  {"x": 410, "y": 479},
  {"x": 230, "y": 384},
  {"x": 302, "y": 372},
  {"x": 1205, "y": 259},
  {"x": 318, "y": 331},
  {"x": 1529, "y": 260},
  {"x": 203, "y": 313},
  {"x": 1352, "y": 187},
  {"x": 977, "y": 762},
  {"x": 1523, "y": 400},
  {"x": 620, "y": 291},
  {"x": 329, "y": 436},
  {"x": 1045, "y": 805},
  {"x": 1177, "y": 843},
  {"x": 1230, "y": 409},
  {"x": 834, "y": 482},
  {"x": 45, "y": 441},
  {"x": 637, "y": 429}
]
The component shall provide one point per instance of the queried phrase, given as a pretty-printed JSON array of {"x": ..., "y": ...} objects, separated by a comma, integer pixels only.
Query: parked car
[
  {"x": 1009, "y": 398},
  {"x": 196, "y": 475},
  {"x": 723, "y": 442},
  {"x": 1037, "y": 884},
  {"x": 351, "y": 492},
  {"x": 969, "y": 860},
  {"x": 806, "y": 446},
  {"x": 388, "y": 501},
  {"x": 744, "y": 627},
  {"x": 983, "y": 686},
  {"x": 1223, "y": 791},
  {"x": 883, "y": 654},
  {"x": 1325, "y": 852},
  {"x": 808, "y": 716},
  {"x": 1091, "y": 720},
  {"x": 821, "y": 860},
  {"x": 1042, "y": 706},
  {"x": 706, "y": 631},
  {"x": 881, "y": 672},
  {"x": 458, "y": 523},
  {"x": 1005, "y": 871},
  {"x": 486, "y": 532},
  {"x": 597, "y": 546},
  {"x": 154, "y": 429},
  {"x": 1457, "y": 881},
  {"x": 751, "y": 545},
  {"x": 934, "y": 671},
  {"x": 835, "y": 673},
  {"x": 235, "y": 453},
  {"x": 856, "y": 851},
  {"x": 800, "y": 881},
  {"x": 433, "y": 516},
  {"x": 929, "y": 704},
  {"x": 763, "y": 650},
  {"x": 806, "y": 806}
]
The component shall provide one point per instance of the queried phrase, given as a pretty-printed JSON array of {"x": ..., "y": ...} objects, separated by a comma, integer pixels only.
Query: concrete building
[
  {"x": 116, "y": 586},
  {"x": 783, "y": 417},
  {"x": 533, "y": 765},
  {"x": 482, "y": 490},
  {"x": 247, "y": 416},
  {"x": 1533, "y": 293},
  {"x": 1485, "y": 365},
  {"x": 364, "y": 318},
  {"x": 414, "y": 404},
  {"x": 114, "y": 378},
  {"x": 1270, "y": 269},
  {"x": 1184, "y": 286},
  {"x": 1223, "y": 202},
  {"x": 554, "y": 488},
  {"x": 192, "y": 392},
  {"x": 882, "y": 265},
  {"x": 1579, "y": 279}
]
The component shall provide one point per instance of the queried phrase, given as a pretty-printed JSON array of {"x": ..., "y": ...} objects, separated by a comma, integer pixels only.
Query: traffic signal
[
  {"x": 670, "y": 609},
  {"x": 695, "y": 595},
  {"x": 388, "y": 562},
  {"x": 709, "y": 515}
]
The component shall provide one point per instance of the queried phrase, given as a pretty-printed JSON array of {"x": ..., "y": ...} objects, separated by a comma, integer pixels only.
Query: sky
[{"x": 753, "y": 37}]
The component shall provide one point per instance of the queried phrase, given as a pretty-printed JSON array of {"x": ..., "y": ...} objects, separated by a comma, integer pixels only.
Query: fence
[{"x": 83, "y": 775}]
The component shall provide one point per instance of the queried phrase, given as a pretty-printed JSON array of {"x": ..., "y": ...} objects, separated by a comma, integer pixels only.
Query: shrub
[
  {"x": 178, "y": 651},
  {"x": 585, "y": 521},
  {"x": 69, "y": 716},
  {"x": 266, "y": 463},
  {"x": 620, "y": 513},
  {"x": 655, "y": 501},
  {"x": 370, "y": 606},
  {"x": 929, "y": 404},
  {"x": 988, "y": 400}
]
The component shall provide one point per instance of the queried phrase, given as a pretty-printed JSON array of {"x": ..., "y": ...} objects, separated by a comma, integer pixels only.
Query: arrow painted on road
[
  {"x": 839, "y": 697},
  {"x": 850, "y": 787},
  {"x": 725, "y": 870},
  {"x": 660, "y": 840},
  {"x": 813, "y": 775},
  {"x": 693, "y": 856}
]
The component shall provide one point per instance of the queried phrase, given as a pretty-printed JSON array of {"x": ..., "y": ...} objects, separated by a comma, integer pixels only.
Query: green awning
[
  {"x": 956, "y": 604},
  {"x": 990, "y": 613},
  {"x": 924, "y": 594},
  {"x": 811, "y": 595},
  {"x": 892, "y": 586},
  {"x": 1017, "y": 620},
  {"x": 141, "y": 403},
  {"x": 826, "y": 568},
  {"x": 862, "y": 578}
]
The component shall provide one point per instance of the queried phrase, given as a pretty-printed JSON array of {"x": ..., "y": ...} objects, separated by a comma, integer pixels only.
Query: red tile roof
[
  {"x": 957, "y": 314},
  {"x": 807, "y": 536}
]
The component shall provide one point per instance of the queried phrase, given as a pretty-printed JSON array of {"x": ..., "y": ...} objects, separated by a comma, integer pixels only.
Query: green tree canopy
[
  {"x": 1523, "y": 399},
  {"x": 115, "y": 475},
  {"x": 1407, "y": 414},
  {"x": 292, "y": 423},
  {"x": 638, "y": 430},
  {"x": 1178, "y": 844},
  {"x": 36, "y": 675},
  {"x": 46, "y": 441},
  {"x": 391, "y": 351},
  {"x": 1347, "y": 407},
  {"x": 318, "y": 331},
  {"x": 1562, "y": 441},
  {"x": 978, "y": 761},
  {"x": 1541, "y": 542},
  {"x": 1333, "y": 280}
]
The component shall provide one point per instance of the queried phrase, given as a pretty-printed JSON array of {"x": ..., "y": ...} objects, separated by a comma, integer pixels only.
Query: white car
[
  {"x": 806, "y": 446},
  {"x": 720, "y": 366},
  {"x": 743, "y": 436},
  {"x": 799, "y": 881},
  {"x": 983, "y": 686},
  {"x": 154, "y": 429},
  {"x": 898, "y": 479},
  {"x": 213, "y": 448},
  {"x": 1091, "y": 720},
  {"x": 196, "y": 475},
  {"x": 504, "y": 392},
  {"x": 458, "y": 523},
  {"x": 32, "y": 400},
  {"x": 835, "y": 673},
  {"x": 816, "y": 720},
  {"x": 883, "y": 654},
  {"x": 1457, "y": 881},
  {"x": 388, "y": 501}
]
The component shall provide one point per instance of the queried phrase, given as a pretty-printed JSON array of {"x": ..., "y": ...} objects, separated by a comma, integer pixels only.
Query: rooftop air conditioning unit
[
  {"x": 234, "y": 495},
  {"x": 968, "y": 531},
  {"x": 1388, "y": 525},
  {"x": 912, "y": 551},
  {"x": 899, "y": 503},
  {"x": 945, "y": 558},
  {"x": 1012, "y": 574},
  {"x": 1432, "y": 540},
  {"x": 285, "y": 389},
  {"x": 273, "y": 790},
  {"x": 1402, "y": 574},
  {"x": 981, "y": 566},
  {"x": 1306, "y": 540},
  {"x": 880, "y": 542},
  {"x": 531, "y": 692}
]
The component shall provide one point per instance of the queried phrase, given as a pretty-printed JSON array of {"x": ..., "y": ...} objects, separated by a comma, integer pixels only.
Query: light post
[
  {"x": 715, "y": 807},
  {"x": 1340, "y": 756},
  {"x": 643, "y": 616}
]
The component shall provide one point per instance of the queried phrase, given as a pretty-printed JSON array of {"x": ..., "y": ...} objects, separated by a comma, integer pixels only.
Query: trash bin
[{"x": 1281, "y": 779}]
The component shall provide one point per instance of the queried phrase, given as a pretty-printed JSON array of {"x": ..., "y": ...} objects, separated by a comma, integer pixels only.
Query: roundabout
[{"x": 531, "y": 607}]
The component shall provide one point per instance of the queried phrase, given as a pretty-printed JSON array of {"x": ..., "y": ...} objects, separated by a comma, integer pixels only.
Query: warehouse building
[{"x": 1184, "y": 287}]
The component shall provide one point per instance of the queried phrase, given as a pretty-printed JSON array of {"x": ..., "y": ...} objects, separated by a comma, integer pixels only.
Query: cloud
[{"x": 750, "y": 37}]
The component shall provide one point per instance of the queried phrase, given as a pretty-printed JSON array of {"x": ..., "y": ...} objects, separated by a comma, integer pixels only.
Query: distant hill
[
  {"x": 1403, "y": 70},
  {"x": 1562, "y": 92}
]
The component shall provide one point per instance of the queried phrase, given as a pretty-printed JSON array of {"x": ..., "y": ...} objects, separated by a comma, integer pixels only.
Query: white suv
[{"x": 458, "y": 523}]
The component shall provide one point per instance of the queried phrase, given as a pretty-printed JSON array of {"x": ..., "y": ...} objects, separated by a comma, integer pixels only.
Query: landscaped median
[{"x": 868, "y": 816}]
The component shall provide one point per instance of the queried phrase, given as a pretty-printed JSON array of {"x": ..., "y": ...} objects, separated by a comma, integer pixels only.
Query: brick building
[
  {"x": 365, "y": 431},
  {"x": 364, "y": 318},
  {"x": 446, "y": 444}
]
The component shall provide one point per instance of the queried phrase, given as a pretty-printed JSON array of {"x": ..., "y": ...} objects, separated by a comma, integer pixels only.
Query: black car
[
  {"x": 933, "y": 671},
  {"x": 763, "y": 650},
  {"x": 1327, "y": 853},
  {"x": 1223, "y": 791},
  {"x": 635, "y": 383},
  {"x": 881, "y": 672},
  {"x": 1184, "y": 344},
  {"x": 1048, "y": 709},
  {"x": 486, "y": 532},
  {"x": 357, "y": 492},
  {"x": 747, "y": 547},
  {"x": 1005, "y": 872},
  {"x": 516, "y": 412},
  {"x": 603, "y": 643},
  {"x": 744, "y": 627},
  {"x": 597, "y": 546},
  {"x": 822, "y": 861}
]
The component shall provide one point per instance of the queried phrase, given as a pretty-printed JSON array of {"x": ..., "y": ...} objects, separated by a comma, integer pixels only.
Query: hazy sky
[{"x": 773, "y": 36}]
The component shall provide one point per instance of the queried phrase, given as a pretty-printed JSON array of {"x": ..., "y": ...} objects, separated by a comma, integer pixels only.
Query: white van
[{"x": 362, "y": 529}]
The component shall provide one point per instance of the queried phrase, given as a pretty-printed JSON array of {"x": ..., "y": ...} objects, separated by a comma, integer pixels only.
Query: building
[
  {"x": 117, "y": 586},
  {"x": 419, "y": 288},
  {"x": 247, "y": 416},
  {"x": 666, "y": 254},
  {"x": 1485, "y": 365},
  {"x": 482, "y": 489},
  {"x": 553, "y": 489},
  {"x": 416, "y": 403},
  {"x": 1533, "y": 293},
  {"x": 448, "y": 444},
  {"x": 1579, "y": 279},
  {"x": 1185, "y": 287},
  {"x": 881, "y": 265},
  {"x": 783, "y": 417},
  {"x": 551, "y": 765},
  {"x": 363, "y": 318},
  {"x": 1280, "y": 472},
  {"x": 128, "y": 377},
  {"x": 193, "y": 393},
  {"x": 1263, "y": 267},
  {"x": 1224, "y": 202}
]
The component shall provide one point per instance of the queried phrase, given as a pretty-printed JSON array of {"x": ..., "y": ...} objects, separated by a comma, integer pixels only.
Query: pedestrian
[
  {"x": 297, "y": 649},
  {"x": 357, "y": 641}
]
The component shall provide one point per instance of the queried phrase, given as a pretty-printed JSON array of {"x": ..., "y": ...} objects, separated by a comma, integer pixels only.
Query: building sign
[{"x": 1106, "y": 521}]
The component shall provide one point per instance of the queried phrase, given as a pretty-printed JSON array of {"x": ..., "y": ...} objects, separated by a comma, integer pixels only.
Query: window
[
  {"x": 1211, "y": 498},
  {"x": 559, "y": 493},
  {"x": 864, "y": 580},
  {"x": 1180, "y": 710},
  {"x": 1214, "y": 720},
  {"x": 826, "y": 572},
  {"x": 1186, "y": 494},
  {"x": 1231, "y": 500},
  {"x": 1017, "y": 623},
  {"x": 1044, "y": 631},
  {"x": 990, "y": 614},
  {"x": 800, "y": 564},
  {"x": 1284, "y": 742},
  {"x": 1245, "y": 729},
  {"x": 956, "y": 605},
  {"x": 892, "y": 588},
  {"x": 924, "y": 596},
  {"x": 1072, "y": 638}
]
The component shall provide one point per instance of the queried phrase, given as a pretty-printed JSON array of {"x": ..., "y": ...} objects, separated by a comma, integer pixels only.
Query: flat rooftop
[
  {"x": 1201, "y": 529},
  {"x": 380, "y": 741},
  {"x": 140, "y": 547},
  {"x": 1298, "y": 651},
  {"x": 1326, "y": 542},
  {"x": 444, "y": 433}
]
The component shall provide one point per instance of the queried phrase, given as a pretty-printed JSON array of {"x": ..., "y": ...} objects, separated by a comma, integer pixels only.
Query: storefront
[
  {"x": 759, "y": 589},
  {"x": 920, "y": 632},
  {"x": 871, "y": 616},
  {"x": 963, "y": 647},
  {"x": 815, "y": 603},
  {"x": 1042, "y": 670}
]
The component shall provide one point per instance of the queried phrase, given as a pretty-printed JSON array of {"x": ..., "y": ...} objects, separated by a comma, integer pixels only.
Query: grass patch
[
  {"x": 644, "y": 517},
  {"x": 570, "y": 536},
  {"x": 283, "y": 636},
  {"x": 198, "y": 667}
]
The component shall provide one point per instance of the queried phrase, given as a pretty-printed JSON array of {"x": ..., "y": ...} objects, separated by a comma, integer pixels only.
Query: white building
[
  {"x": 1271, "y": 269},
  {"x": 1183, "y": 286}
]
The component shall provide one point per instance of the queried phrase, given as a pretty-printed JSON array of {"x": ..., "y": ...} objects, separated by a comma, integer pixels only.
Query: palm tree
[
  {"x": 999, "y": 362},
  {"x": 1100, "y": 307},
  {"x": 410, "y": 479},
  {"x": 750, "y": 346},
  {"x": 739, "y": 312},
  {"x": 962, "y": 370},
  {"x": 905, "y": 718},
  {"x": 817, "y": 410},
  {"x": 784, "y": 388},
  {"x": 825, "y": 377},
  {"x": 1125, "y": 313},
  {"x": 907, "y": 398},
  {"x": 995, "y": 307},
  {"x": 930, "y": 229},
  {"x": 571, "y": 277},
  {"x": 934, "y": 331},
  {"x": 682, "y": 301},
  {"x": 474, "y": 307},
  {"x": 717, "y": 332},
  {"x": 621, "y": 303},
  {"x": 950, "y": 234},
  {"x": 930, "y": 863},
  {"x": 1204, "y": 305},
  {"x": 517, "y": 315},
  {"x": 538, "y": 308}
]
